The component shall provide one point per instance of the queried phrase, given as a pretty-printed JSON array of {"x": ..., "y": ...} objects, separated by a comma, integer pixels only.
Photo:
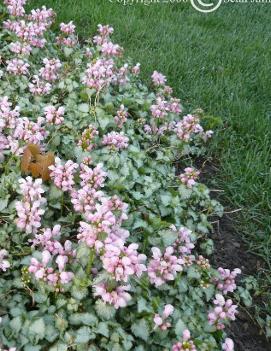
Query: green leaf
[
  {"x": 3, "y": 204},
  {"x": 55, "y": 193},
  {"x": 168, "y": 237},
  {"x": 141, "y": 329},
  {"x": 38, "y": 328},
  {"x": 83, "y": 108},
  {"x": 193, "y": 273},
  {"x": 105, "y": 311},
  {"x": 16, "y": 324},
  {"x": 179, "y": 328},
  {"x": 83, "y": 318},
  {"x": 59, "y": 347},
  {"x": 83, "y": 335},
  {"x": 103, "y": 329}
]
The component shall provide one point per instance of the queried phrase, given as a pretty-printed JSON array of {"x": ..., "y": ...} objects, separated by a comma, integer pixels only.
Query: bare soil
[{"x": 230, "y": 252}]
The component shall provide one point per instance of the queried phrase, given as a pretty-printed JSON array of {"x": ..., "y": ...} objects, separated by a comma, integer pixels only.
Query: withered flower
[{"x": 35, "y": 163}]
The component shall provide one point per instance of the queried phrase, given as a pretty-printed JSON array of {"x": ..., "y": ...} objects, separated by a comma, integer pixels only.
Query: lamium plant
[{"x": 103, "y": 244}]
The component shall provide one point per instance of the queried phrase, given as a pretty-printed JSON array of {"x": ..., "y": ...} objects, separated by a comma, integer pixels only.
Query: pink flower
[
  {"x": 223, "y": 311},
  {"x": 158, "y": 78},
  {"x": 85, "y": 199},
  {"x": 123, "y": 262},
  {"x": 121, "y": 116},
  {"x": 183, "y": 245},
  {"x": 117, "y": 297},
  {"x": 189, "y": 176},
  {"x": 163, "y": 267},
  {"x": 17, "y": 67},
  {"x": 136, "y": 69},
  {"x": 226, "y": 280},
  {"x": 116, "y": 141},
  {"x": 4, "y": 264},
  {"x": 20, "y": 49},
  {"x": 160, "y": 108},
  {"x": 186, "y": 343},
  {"x": 228, "y": 345},
  {"x": 54, "y": 115},
  {"x": 8, "y": 117},
  {"x": 174, "y": 106},
  {"x": 88, "y": 137},
  {"x": 30, "y": 210},
  {"x": 93, "y": 177},
  {"x": 99, "y": 74},
  {"x": 39, "y": 87},
  {"x": 63, "y": 175},
  {"x": 110, "y": 49},
  {"x": 189, "y": 126},
  {"x": 161, "y": 321},
  {"x": 104, "y": 34},
  {"x": 67, "y": 28},
  {"x": 32, "y": 132},
  {"x": 50, "y": 71}
]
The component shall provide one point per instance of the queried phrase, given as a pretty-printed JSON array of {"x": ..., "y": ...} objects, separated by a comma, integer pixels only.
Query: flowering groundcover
[{"x": 102, "y": 245}]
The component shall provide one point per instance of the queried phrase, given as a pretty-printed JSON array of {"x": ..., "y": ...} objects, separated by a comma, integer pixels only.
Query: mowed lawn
[{"x": 219, "y": 62}]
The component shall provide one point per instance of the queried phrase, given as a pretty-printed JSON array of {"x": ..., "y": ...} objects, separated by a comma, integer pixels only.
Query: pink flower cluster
[
  {"x": 223, "y": 311},
  {"x": 49, "y": 241},
  {"x": 189, "y": 176},
  {"x": 15, "y": 7},
  {"x": 226, "y": 281},
  {"x": 43, "y": 271},
  {"x": 30, "y": 209},
  {"x": 104, "y": 33},
  {"x": 116, "y": 296},
  {"x": 161, "y": 321},
  {"x": 30, "y": 29},
  {"x": 4, "y": 264},
  {"x": 44, "y": 17},
  {"x": 183, "y": 245},
  {"x": 31, "y": 132},
  {"x": 39, "y": 86},
  {"x": 158, "y": 79},
  {"x": 116, "y": 141},
  {"x": 110, "y": 49},
  {"x": 20, "y": 48},
  {"x": 136, "y": 69},
  {"x": 63, "y": 175},
  {"x": 186, "y": 344},
  {"x": 67, "y": 37},
  {"x": 85, "y": 199},
  {"x": 190, "y": 126},
  {"x": 121, "y": 116},
  {"x": 50, "y": 71},
  {"x": 153, "y": 129},
  {"x": 123, "y": 261},
  {"x": 162, "y": 107},
  {"x": 67, "y": 28},
  {"x": 17, "y": 67},
  {"x": 228, "y": 345},
  {"x": 95, "y": 177},
  {"x": 164, "y": 267},
  {"x": 54, "y": 115},
  {"x": 87, "y": 139},
  {"x": 99, "y": 74},
  {"x": 8, "y": 117}
]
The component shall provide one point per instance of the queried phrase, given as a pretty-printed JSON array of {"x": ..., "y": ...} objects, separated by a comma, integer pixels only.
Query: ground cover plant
[
  {"x": 220, "y": 62},
  {"x": 222, "y": 65},
  {"x": 103, "y": 245}
]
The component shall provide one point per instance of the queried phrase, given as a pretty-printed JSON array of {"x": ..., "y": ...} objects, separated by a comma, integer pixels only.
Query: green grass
[{"x": 219, "y": 62}]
